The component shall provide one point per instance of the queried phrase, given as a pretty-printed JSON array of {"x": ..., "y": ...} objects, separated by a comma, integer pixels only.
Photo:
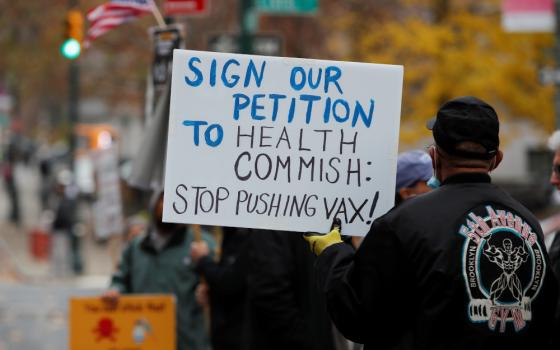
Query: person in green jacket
[{"x": 158, "y": 261}]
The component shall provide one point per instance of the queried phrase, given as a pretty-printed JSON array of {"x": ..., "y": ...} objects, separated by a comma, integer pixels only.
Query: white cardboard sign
[{"x": 281, "y": 143}]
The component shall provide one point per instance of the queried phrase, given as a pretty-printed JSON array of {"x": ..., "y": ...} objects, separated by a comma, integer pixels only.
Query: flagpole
[{"x": 157, "y": 14}]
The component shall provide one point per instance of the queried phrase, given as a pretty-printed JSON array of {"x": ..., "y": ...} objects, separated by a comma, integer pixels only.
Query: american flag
[{"x": 114, "y": 13}]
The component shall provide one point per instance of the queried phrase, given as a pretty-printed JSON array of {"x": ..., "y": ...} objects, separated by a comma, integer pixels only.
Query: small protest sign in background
[
  {"x": 137, "y": 322},
  {"x": 281, "y": 143},
  {"x": 107, "y": 208}
]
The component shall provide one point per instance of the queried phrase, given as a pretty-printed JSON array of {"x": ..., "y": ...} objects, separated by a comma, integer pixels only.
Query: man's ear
[
  {"x": 405, "y": 193},
  {"x": 497, "y": 160}
]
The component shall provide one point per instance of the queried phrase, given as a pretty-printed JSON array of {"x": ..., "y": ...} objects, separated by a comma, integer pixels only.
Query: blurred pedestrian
[
  {"x": 414, "y": 169},
  {"x": 8, "y": 174},
  {"x": 158, "y": 261},
  {"x": 461, "y": 267},
  {"x": 66, "y": 245},
  {"x": 225, "y": 290},
  {"x": 46, "y": 185}
]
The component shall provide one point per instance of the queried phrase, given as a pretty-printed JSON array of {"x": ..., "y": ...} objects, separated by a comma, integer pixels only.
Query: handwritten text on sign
[{"x": 281, "y": 143}]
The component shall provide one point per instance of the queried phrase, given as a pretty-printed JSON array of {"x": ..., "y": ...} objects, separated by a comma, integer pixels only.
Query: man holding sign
[
  {"x": 281, "y": 144},
  {"x": 461, "y": 267}
]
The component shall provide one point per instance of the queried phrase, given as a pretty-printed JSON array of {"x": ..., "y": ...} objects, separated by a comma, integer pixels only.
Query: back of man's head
[{"x": 466, "y": 132}]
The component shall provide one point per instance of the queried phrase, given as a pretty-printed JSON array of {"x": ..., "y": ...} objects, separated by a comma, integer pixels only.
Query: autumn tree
[{"x": 451, "y": 48}]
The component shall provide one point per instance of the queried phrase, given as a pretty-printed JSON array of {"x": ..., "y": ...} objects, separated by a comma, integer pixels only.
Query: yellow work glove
[{"x": 319, "y": 242}]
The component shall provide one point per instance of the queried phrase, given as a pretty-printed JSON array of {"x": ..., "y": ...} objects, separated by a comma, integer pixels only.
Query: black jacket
[
  {"x": 462, "y": 267},
  {"x": 227, "y": 282},
  {"x": 286, "y": 308}
]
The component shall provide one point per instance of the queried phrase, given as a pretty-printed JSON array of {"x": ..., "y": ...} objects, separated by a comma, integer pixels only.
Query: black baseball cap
[{"x": 463, "y": 119}]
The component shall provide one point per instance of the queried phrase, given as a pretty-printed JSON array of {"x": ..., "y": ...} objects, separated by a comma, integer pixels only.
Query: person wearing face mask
[
  {"x": 461, "y": 267},
  {"x": 158, "y": 261},
  {"x": 414, "y": 170}
]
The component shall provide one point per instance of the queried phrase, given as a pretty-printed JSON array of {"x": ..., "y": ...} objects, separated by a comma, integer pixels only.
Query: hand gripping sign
[{"x": 281, "y": 143}]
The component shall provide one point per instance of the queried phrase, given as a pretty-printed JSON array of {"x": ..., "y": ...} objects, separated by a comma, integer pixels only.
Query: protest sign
[
  {"x": 281, "y": 143},
  {"x": 140, "y": 322}
]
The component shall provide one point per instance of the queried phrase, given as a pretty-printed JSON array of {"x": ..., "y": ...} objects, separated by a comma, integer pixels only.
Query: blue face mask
[{"x": 433, "y": 182}]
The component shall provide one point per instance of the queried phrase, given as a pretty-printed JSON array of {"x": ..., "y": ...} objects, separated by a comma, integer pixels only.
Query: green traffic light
[{"x": 71, "y": 49}]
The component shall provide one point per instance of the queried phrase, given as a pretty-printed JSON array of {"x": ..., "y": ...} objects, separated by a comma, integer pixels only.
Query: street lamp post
[
  {"x": 71, "y": 50},
  {"x": 245, "y": 37}
]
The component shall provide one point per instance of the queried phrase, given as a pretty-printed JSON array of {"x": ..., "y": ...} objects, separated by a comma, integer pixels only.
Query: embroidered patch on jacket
[{"x": 503, "y": 267}]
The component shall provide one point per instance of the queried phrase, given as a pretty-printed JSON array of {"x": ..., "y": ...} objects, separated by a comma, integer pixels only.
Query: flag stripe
[
  {"x": 102, "y": 28},
  {"x": 107, "y": 16}
]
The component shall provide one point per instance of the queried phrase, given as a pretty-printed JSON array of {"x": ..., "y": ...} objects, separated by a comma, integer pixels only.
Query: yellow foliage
[{"x": 464, "y": 53}]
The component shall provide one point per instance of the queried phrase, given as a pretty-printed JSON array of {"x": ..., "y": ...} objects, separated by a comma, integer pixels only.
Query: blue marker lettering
[
  {"x": 196, "y": 124},
  {"x": 346, "y": 113},
  {"x": 310, "y": 99},
  {"x": 255, "y": 106},
  {"x": 310, "y": 78},
  {"x": 292, "y": 110},
  {"x": 198, "y": 74},
  {"x": 275, "y": 98},
  {"x": 234, "y": 77},
  {"x": 332, "y": 74},
  {"x": 327, "y": 114},
  {"x": 219, "y": 135},
  {"x": 297, "y": 85},
  {"x": 213, "y": 73},
  {"x": 360, "y": 113},
  {"x": 252, "y": 70},
  {"x": 238, "y": 105}
]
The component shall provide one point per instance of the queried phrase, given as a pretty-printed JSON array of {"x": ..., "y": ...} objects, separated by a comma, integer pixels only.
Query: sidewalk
[
  {"x": 33, "y": 300},
  {"x": 17, "y": 265}
]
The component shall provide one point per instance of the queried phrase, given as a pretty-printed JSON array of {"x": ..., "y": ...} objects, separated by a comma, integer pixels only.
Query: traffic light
[{"x": 73, "y": 35}]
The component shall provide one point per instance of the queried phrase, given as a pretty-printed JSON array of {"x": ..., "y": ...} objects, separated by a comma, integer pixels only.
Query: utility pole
[
  {"x": 73, "y": 118},
  {"x": 73, "y": 97}
]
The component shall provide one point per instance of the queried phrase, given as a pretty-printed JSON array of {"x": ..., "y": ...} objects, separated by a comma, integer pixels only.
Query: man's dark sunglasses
[{"x": 556, "y": 169}]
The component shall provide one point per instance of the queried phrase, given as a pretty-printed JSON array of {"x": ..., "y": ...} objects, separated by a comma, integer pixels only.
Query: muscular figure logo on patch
[
  {"x": 509, "y": 260},
  {"x": 503, "y": 267}
]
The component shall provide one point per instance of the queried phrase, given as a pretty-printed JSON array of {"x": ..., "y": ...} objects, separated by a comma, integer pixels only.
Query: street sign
[
  {"x": 288, "y": 7},
  {"x": 165, "y": 41},
  {"x": 185, "y": 7},
  {"x": 528, "y": 16},
  {"x": 262, "y": 44}
]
